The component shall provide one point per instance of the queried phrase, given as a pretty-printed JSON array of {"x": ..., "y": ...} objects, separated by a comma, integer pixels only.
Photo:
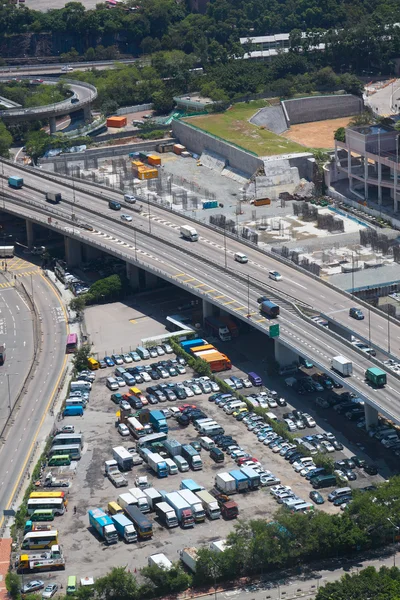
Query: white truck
[
  {"x": 113, "y": 473},
  {"x": 210, "y": 504},
  {"x": 224, "y": 482},
  {"x": 142, "y": 502},
  {"x": 189, "y": 558},
  {"x": 342, "y": 365},
  {"x": 198, "y": 511},
  {"x": 123, "y": 458},
  {"x": 159, "y": 560},
  {"x": 153, "y": 497},
  {"x": 166, "y": 514},
  {"x": 189, "y": 233},
  {"x": 218, "y": 546}
]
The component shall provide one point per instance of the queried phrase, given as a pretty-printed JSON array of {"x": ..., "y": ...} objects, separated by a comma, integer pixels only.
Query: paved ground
[{"x": 318, "y": 134}]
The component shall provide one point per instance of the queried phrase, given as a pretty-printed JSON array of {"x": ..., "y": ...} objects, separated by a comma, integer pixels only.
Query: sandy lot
[{"x": 318, "y": 134}]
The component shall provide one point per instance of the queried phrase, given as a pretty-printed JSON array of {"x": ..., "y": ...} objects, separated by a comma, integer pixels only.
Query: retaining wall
[{"x": 319, "y": 108}]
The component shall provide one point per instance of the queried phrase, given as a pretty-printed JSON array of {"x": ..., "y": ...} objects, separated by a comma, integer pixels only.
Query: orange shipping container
[
  {"x": 116, "y": 121},
  {"x": 154, "y": 160},
  {"x": 262, "y": 201},
  {"x": 178, "y": 148}
]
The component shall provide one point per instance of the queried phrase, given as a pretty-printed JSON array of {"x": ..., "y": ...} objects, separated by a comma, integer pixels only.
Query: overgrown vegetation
[
  {"x": 28, "y": 95},
  {"x": 368, "y": 583}
]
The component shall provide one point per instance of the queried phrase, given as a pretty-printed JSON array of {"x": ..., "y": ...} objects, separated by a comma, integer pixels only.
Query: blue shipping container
[
  {"x": 187, "y": 344},
  {"x": 189, "y": 484},
  {"x": 242, "y": 482}
]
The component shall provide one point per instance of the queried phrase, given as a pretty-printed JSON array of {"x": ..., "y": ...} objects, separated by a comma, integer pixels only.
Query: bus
[
  {"x": 56, "y": 505},
  {"x": 59, "y": 460},
  {"x": 67, "y": 439},
  {"x": 42, "y": 515},
  {"x": 48, "y": 495},
  {"x": 72, "y": 343},
  {"x": 73, "y": 451},
  {"x": 135, "y": 427},
  {"x": 40, "y": 539}
]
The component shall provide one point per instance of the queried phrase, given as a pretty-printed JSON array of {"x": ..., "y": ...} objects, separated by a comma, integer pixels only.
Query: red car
[
  {"x": 185, "y": 406},
  {"x": 242, "y": 460}
]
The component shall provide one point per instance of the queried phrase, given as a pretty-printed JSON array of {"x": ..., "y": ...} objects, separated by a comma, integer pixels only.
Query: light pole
[
  {"x": 2, "y": 184},
  {"x": 388, "y": 330},
  {"x": 9, "y": 392},
  {"x": 225, "y": 242},
  {"x": 248, "y": 296},
  {"x": 148, "y": 204},
  {"x": 369, "y": 326},
  {"x": 134, "y": 237},
  {"x": 33, "y": 298},
  {"x": 394, "y": 527}
]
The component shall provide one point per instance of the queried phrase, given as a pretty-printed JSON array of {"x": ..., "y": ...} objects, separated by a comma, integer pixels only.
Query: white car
[
  {"x": 117, "y": 359},
  {"x": 174, "y": 410},
  {"x": 269, "y": 480},
  {"x": 196, "y": 389},
  {"x": 145, "y": 376},
  {"x": 167, "y": 348},
  {"x": 189, "y": 392},
  {"x": 129, "y": 198},
  {"x": 206, "y": 387},
  {"x": 246, "y": 383},
  {"x": 66, "y": 69},
  {"x": 153, "y": 352},
  {"x": 328, "y": 446},
  {"x": 160, "y": 351},
  {"x": 276, "y": 489},
  {"x": 290, "y": 425},
  {"x": 299, "y": 466},
  {"x": 272, "y": 403},
  {"x": 127, "y": 358},
  {"x": 275, "y": 275},
  {"x": 123, "y": 430},
  {"x": 121, "y": 382},
  {"x": 49, "y": 590},
  {"x": 340, "y": 475},
  {"x": 124, "y": 404},
  {"x": 309, "y": 420},
  {"x": 126, "y": 218}
]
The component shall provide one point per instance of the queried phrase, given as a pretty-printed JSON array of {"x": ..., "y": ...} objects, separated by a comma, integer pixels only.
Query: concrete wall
[
  {"x": 319, "y": 108},
  {"x": 198, "y": 141}
]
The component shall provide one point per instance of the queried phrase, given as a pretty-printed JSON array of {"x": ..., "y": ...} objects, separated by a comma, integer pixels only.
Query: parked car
[{"x": 32, "y": 586}]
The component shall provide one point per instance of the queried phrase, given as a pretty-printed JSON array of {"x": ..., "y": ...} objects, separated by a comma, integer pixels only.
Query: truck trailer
[
  {"x": 195, "y": 504},
  {"x": 182, "y": 509},
  {"x": 142, "y": 524},
  {"x": 15, "y": 182},
  {"x": 241, "y": 480},
  {"x": 104, "y": 526},
  {"x": 342, "y": 365},
  {"x": 224, "y": 482},
  {"x": 166, "y": 514},
  {"x": 189, "y": 233},
  {"x": 123, "y": 458},
  {"x": 269, "y": 308}
]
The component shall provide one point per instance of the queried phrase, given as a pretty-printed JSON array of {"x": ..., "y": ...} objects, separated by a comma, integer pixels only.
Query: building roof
[{"x": 367, "y": 278}]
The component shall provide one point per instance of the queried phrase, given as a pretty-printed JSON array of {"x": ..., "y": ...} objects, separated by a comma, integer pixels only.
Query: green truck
[{"x": 376, "y": 377}]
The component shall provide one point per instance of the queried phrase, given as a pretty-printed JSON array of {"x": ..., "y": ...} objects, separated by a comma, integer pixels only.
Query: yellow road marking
[
  {"x": 180, "y": 274},
  {"x": 200, "y": 285},
  {"x": 133, "y": 321},
  {"x": 217, "y": 297},
  {"x": 242, "y": 308},
  {"x": 210, "y": 290},
  {"x": 53, "y": 393},
  {"x": 259, "y": 320},
  {"x": 230, "y": 302},
  {"x": 191, "y": 279}
]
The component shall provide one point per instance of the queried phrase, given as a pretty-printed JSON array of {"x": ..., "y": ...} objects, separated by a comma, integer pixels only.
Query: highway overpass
[
  {"x": 84, "y": 94},
  {"x": 152, "y": 243}
]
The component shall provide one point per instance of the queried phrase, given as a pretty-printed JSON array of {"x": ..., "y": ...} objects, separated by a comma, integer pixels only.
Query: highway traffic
[{"x": 200, "y": 267}]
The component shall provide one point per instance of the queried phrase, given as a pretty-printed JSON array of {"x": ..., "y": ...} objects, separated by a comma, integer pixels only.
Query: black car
[
  {"x": 152, "y": 399},
  {"x": 358, "y": 461},
  {"x": 183, "y": 420},
  {"x": 295, "y": 457},
  {"x": 262, "y": 299},
  {"x": 180, "y": 393},
  {"x": 290, "y": 453},
  {"x": 241, "y": 416},
  {"x": 337, "y": 445},
  {"x": 371, "y": 469},
  {"x": 154, "y": 375},
  {"x": 151, "y": 389},
  {"x": 342, "y": 500},
  {"x": 316, "y": 497}
]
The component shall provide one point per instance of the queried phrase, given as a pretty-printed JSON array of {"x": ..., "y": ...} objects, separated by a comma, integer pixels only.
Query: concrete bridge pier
[
  {"x": 87, "y": 113},
  {"x": 371, "y": 416},
  {"x": 73, "y": 252},
  {"x": 135, "y": 276},
  {"x": 208, "y": 309},
  {"x": 30, "y": 234},
  {"x": 283, "y": 355},
  {"x": 53, "y": 125}
]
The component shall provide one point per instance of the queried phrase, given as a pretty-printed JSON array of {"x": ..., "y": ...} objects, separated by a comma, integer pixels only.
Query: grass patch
[{"x": 233, "y": 126}]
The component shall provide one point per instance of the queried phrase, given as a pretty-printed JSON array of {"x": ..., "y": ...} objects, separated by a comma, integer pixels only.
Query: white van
[
  {"x": 80, "y": 385},
  {"x": 112, "y": 384},
  {"x": 172, "y": 468},
  {"x": 207, "y": 443},
  {"x": 181, "y": 463},
  {"x": 230, "y": 408},
  {"x": 272, "y": 416},
  {"x": 345, "y": 491},
  {"x": 241, "y": 258},
  {"x": 143, "y": 353}
]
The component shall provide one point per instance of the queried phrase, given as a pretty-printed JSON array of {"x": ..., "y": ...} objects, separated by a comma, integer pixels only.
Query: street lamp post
[
  {"x": 248, "y": 296},
  {"x": 388, "y": 328},
  {"x": 148, "y": 204},
  {"x": 134, "y": 234},
  {"x": 394, "y": 528},
  {"x": 369, "y": 326},
  {"x": 9, "y": 391},
  {"x": 225, "y": 242}
]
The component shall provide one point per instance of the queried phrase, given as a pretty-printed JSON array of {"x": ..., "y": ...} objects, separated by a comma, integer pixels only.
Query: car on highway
[
  {"x": 109, "y": 361},
  {"x": 126, "y": 218},
  {"x": 32, "y": 586},
  {"x": 356, "y": 313},
  {"x": 49, "y": 590},
  {"x": 66, "y": 69},
  {"x": 275, "y": 275}
]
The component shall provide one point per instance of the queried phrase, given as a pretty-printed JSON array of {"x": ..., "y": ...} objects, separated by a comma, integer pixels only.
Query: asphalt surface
[
  {"x": 56, "y": 67},
  {"x": 15, "y": 453},
  {"x": 186, "y": 267},
  {"x": 384, "y": 100}
]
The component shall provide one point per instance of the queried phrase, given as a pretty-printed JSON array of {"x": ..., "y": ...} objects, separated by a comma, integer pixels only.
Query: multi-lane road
[{"x": 200, "y": 267}]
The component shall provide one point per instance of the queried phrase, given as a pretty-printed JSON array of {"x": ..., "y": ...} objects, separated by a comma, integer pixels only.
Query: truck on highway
[
  {"x": 376, "y": 377},
  {"x": 50, "y": 560},
  {"x": 53, "y": 197},
  {"x": 157, "y": 464},
  {"x": 189, "y": 558},
  {"x": 342, "y": 365},
  {"x": 142, "y": 524},
  {"x": 192, "y": 457},
  {"x": 103, "y": 524},
  {"x": 159, "y": 560},
  {"x": 195, "y": 504},
  {"x": 210, "y": 504},
  {"x": 124, "y": 527},
  {"x": 217, "y": 328},
  {"x": 153, "y": 497},
  {"x": 158, "y": 421},
  {"x": 7, "y": 251},
  {"x": 123, "y": 458},
  {"x": 189, "y": 233},
  {"x": 166, "y": 514},
  {"x": 114, "y": 475},
  {"x": 224, "y": 482},
  {"x": 15, "y": 182},
  {"x": 269, "y": 308},
  {"x": 142, "y": 502},
  {"x": 182, "y": 509}
]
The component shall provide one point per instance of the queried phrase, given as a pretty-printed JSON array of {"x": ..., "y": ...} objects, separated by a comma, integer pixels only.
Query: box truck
[
  {"x": 376, "y": 377},
  {"x": 157, "y": 464},
  {"x": 217, "y": 328},
  {"x": 195, "y": 504},
  {"x": 124, "y": 527},
  {"x": 189, "y": 558},
  {"x": 189, "y": 233},
  {"x": 166, "y": 514},
  {"x": 189, "y": 484},
  {"x": 181, "y": 508},
  {"x": 153, "y": 497},
  {"x": 342, "y": 365},
  {"x": 269, "y": 308},
  {"x": 210, "y": 504},
  {"x": 224, "y": 482},
  {"x": 141, "y": 498},
  {"x": 159, "y": 560},
  {"x": 241, "y": 480},
  {"x": 192, "y": 457},
  {"x": 123, "y": 458},
  {"x": 104, "y": 526}
]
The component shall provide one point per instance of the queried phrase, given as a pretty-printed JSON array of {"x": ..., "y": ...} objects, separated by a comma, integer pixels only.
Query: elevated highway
[{"x": 207, "y": 269}]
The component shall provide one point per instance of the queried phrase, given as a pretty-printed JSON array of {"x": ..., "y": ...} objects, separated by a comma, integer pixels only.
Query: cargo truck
[
  {"x": 376, "y": 377},
  {"x": 181, "y": 508},
  {"x": 217, "y": 328},
  {"x": 7, "y": 251},
  {"x": 125, "y": 500},
  {"x": 114, "y": 475},
  {"x": 189, "y": 233},
  {"x": 218, "y": 546},
  {"x": 269, "y": 308},
  {"x": 195, "y": 504},
  {"x": 218, "y": 362},
  {"x": 15, "y": 182},
  {"x": 189, "y": 558},
  {"x": 157, "y": 464},
  {"x": 53, "y": 198},
  {"x": 252, "y": 476},
  {"x": 159, "y": 560},
  {"x": 192, "y": 457},
  {"x": 158, "y": 421},
  {"x": 141, "y": 498},
  {"x": 104, "y": 526},
  {"x": 242, "y": 482},
  {"x": 229, "y": 508},
  {"x": 173, "y": 447},
  {"x": 172, "y": 468},
  {"x": 224, "y": 482},
  {"x": 187, "y": 344},
  {"x": 31, "y": 526},
  {"x": 124, "y": 527},
  {"x": 189, "y": 484},
  {"x": 231, "y": 325},
  {"x": 210, "y": 504},
  {"x": 342, "y": 365},
  {"x": 166, "y": 515},
  {"x": 153, "y": 497},
  {"x": 123, "y": 458},
  {"x": 50, "y": 560},
  {"x": 142, "y": 524}
]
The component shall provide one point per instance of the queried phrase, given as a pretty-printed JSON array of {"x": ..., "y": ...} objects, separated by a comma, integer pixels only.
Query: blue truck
[
  {"x": 252, "y": 476},
  {"x": 104, "y": 526},
  {"x": 241, "y": 480},
  {"x": 158, "y": 421},
  {"x": 189, "y": 484},
  {"x": 187, "y": 344},
  {"x": 269, "y": 308},
  {"x": 15, "y": 182},
  {"x": 125, "y": 528}
]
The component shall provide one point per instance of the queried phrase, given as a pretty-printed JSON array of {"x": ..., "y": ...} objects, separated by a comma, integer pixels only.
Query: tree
[
  {"x": 369, "y": 583},
  {"x": 5, "y": 141},
  {"x": 36, "y": 144},
  {"x": 163, "y": 101},
  {"x": 78, "y": 304},
  {"x": 166, "y": 581},
  {"x": 13, "y": 585},
  {"x": 340, "y": 134},
  {"x": 119, "y": 584},
  {"x": 104, "y": 289},
  {"x": 80, "y": 358}
]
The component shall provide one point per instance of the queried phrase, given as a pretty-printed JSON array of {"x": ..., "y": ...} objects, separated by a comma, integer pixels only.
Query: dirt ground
[{"x": 318, "y": 134}]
